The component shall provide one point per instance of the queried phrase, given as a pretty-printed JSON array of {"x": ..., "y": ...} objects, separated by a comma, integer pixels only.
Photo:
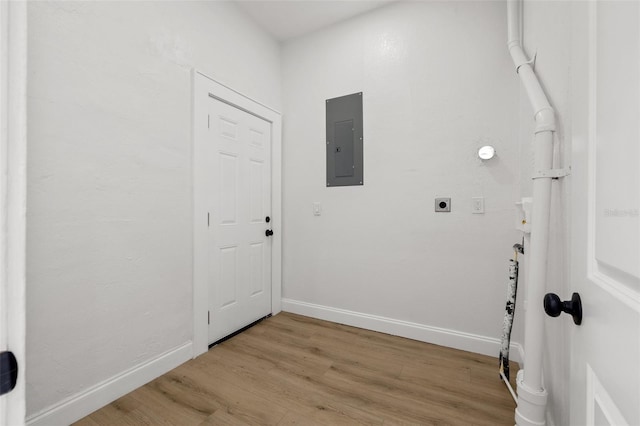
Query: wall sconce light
[{"x": 487, "y": 152}]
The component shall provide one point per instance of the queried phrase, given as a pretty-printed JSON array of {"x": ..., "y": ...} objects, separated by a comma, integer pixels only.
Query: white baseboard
[
  {"x": 440, "y": 336},
  {"x": 86, "y": 402}
]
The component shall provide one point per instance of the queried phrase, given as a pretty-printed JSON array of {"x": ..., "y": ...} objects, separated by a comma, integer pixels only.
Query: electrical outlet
[
  {"x": 443, "y": 204},
  {"x": 477, "y": 205}
]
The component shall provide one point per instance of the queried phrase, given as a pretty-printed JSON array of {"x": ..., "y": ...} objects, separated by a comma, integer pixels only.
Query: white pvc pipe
[
  {"x": 537, "y": 262},
  {"x": 532, "y": 397}
]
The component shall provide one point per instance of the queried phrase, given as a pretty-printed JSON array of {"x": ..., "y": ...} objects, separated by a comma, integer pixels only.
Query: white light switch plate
[
  {"x": 477, "y": 205},
  {"x": 317, "y": 209}
]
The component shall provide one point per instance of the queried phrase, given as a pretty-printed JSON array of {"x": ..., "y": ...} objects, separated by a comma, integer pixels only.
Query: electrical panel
[{"x": 344, "y": 141}]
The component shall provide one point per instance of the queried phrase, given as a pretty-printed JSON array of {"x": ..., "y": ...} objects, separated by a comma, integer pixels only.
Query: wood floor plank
[
  {"x": 295, "y": 370},
  {"x": 295, "y": 419},
  {"x": 306, "y": 402},
  {"x": 426, "y": 404},
  {"x": 231, "y": 397},
  {"x": 112, "y": 412}
]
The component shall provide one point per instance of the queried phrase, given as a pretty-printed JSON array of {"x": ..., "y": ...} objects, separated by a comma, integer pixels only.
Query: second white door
[
  {"x": 239, "y": 182},
  {"x": 605, "y": 352}
]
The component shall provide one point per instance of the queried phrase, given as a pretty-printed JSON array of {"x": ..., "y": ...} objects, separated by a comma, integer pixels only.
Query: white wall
[
  {"x": 109, "y": 179},
  {"x": 547, "y": 31},
  {"x": 438, "y": 84}
]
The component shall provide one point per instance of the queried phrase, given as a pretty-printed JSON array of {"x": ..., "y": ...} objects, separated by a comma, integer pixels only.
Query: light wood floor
[{"x": 291, "y": 369}]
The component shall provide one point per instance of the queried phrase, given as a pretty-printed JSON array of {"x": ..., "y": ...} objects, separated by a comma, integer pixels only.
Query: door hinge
[
  {"x": 208, "y": 221},
  {"x": 208, "y": 317},
  {"x": 208, "y": 121}
]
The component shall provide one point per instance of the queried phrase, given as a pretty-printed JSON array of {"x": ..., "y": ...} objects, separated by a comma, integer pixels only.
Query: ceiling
[{"x": 288, "y": 19}]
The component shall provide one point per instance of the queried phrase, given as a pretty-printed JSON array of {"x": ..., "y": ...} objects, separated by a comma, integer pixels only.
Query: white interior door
[
  {"x": 240, "y": 199},
  {"x": 605, "y": 360}
]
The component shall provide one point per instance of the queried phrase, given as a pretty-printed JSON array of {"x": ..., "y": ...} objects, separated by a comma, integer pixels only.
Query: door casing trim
[
  {"x": 13, "y": 199},
  {"x": 205, "y": 88}
]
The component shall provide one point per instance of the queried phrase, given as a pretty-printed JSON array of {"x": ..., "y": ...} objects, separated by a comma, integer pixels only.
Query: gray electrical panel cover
[{"x": 344, "y": 140}]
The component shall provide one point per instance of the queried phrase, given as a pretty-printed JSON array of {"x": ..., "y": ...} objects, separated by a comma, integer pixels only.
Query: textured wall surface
[
  {"x": 109, "y": 177},
  {"x": 438, "y": 84}
]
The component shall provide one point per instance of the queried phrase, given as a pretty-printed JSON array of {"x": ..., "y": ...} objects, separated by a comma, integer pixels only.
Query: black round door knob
[
  {"x": 268, "y": 232},
  {"x": 553, "y": 306},
  {"x": 267, "y": 219}
]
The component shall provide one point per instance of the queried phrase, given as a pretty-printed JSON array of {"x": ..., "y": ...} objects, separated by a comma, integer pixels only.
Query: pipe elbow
[
  {"x": 513, "y": 42},
  {"x": 545, "y": 120},
  {"x": 517, "y": 55}
]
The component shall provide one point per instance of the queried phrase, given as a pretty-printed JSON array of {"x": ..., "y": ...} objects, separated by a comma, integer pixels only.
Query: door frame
[
  {"x": 205, "y": 88},
  {"x": 13, "y": 190}
]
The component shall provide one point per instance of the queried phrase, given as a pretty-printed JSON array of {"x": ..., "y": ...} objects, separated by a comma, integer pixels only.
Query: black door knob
[
  {"x": 8, "y": 372},
  {"x": 268, "y": 232},
  {"x": 267, "y": 219},
  {"x": 554, "y": 307}
]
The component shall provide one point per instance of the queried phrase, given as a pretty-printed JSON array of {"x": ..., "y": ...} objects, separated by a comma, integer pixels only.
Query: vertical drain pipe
[{"x": 532, "y": 397}]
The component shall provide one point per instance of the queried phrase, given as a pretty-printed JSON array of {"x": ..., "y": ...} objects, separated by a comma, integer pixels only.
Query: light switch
[
  {"x": 317, "y": 209},
  {"x": 477, "y": 205}
]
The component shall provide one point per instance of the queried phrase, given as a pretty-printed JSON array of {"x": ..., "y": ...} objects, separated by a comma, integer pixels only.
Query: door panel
[
  {"x": 601, "y": 410},
  {"x": 257, "y": 269},
  {"x": 229, "y": 172},
  {"x": 228, "y": 285},
  {"x": 605, "y": 371},
  {"x": 239, "y": 185},
  {"x": 256, "y": 170},
  {"x": 616, "y": 144}
]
